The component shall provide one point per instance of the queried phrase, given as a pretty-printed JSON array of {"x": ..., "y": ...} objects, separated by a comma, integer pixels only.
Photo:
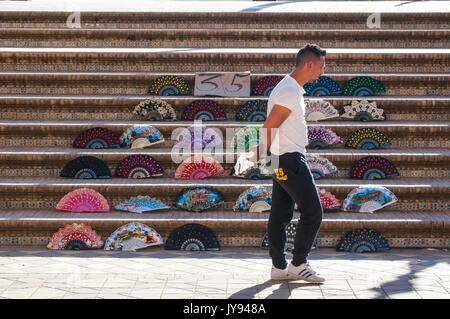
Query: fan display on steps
[
  {"x": 363, "y": 111},
  {"x": 362, "y": 240},
  {"x": 318, "y": 110},
  {"x": 169, "y": 85},
  {"x": 139, "y": 166},
  {"x": 198, "y": 198},
  {"x": 252, "y": 111},
  {"x": 155, "y": 110},
  {"x": 265, "y": 85},
  {"x": 75, "y": 237},
  {"x": 324, "y": 86},
  {"x": 192, "y": 237},
  {"x": 205, "y": 110},
  {"x": 373, "y": 167},
  {"x": 83, "y": 200},
  {"x": 255, "y": 200},
  {"x": 362, "y": 86},
  {"x": 133, "y": 236},
  {"x": 197, "y": 137},
  {"x": 97, "y": 137},
  {"x": 367, "y": 199},
  {"x": 246, "y": 137},
  {"x": 85, "y": 167},
  {"x": 367, "y": 138},
  {"x": 141, "y": 137},
  {"x": 251, "y": 170},
  {"x": 198, "y": 167},
  {"x": 322, "y": 137},
  {"x": 141, "y": 204},
  {"x": 320, "y": 166}
]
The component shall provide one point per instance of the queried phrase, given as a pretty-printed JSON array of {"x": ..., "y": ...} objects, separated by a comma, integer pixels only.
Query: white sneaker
[
  {"x": 279, "y": 274},
  {"x": 304, "y": 272}
]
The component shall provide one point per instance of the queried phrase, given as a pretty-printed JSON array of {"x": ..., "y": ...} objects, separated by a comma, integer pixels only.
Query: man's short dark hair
[{"x": 310, "y": 52}]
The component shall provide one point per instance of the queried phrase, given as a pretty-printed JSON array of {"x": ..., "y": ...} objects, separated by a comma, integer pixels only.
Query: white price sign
[{"x": 236, "y": 84}]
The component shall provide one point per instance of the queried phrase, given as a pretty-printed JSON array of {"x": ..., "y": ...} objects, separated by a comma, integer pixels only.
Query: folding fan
[
  {"x": 139, "y": 166},
  {"x": 141, "y": 136},
  {"x": 83, "y": 200},
  {"x": 291, "y": 230},
  {"x": 362, "y": 240},
  {"x": 321, "y": 137},
  {"x": 265, "y": 85},
  {"x": 198, "y": 198},
  {"x": 192, "y": 237},
  {"x": 373, "y": 167},
  {"x": 363, "y": 111},
  {"x": 250, "y": 170},
  {"x": 198, "y": 167},
  {"x": 362, "y": 85},
  {"x": 320, "y": 166},
  {"x": 252, "y": 111},
  {"x": 198, "y": 137},
  {"x": 97, "y": 137},
  {"x": 255, "y": 200},
  {"x": 155, "y": 110},
  {"x": 246, "y": 137},
  {"x": 368, "y": 199},
  {"x": 133, "y": 236},
  {"x": 318, "y": 109},
  {"x": 367, "y": 138},
  {"x": 169, "y": 85},
  {"x": 86, "y": 167},
  {"x": 323, "y": 86},
  {"x": 75, "y": 236},
  {"x": 205, "y": 110},
  {"x": 141, "y": 204},
  {"x": 328, "y": 200}
]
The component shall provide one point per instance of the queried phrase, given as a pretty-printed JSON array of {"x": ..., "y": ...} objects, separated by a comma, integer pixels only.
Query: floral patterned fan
[
  {"x": 373, "y": 167},
  {"x": 198, "y": 167},
  {"x": 133, "y": 236},
  {"x": 192, "y": 237},
  {"x": 318, "y": 109},
  {"x": 75, "y": 236},
  {"x": 198, "y": 137},
  {"x": 363, "y": 111},
  {"x": 250, "y": 170},
  {"x": 252, "y": 111},
  {"x": 368, "y": 199},
  {"x": 321, "y": 137},
  {"x": 205, "y": 110},
  {"x": 367, "y": 139},
  {"x": 265, "y": 85},
  {"x": 362, "y": 240},
  {"x": 86, "y": 167},
  {"x": 198, "y": 198},
  {"x": 141, "y": 204},
  {"x": 246, "y": 137},
  {"x": 155, "y": 110},
  {"x": 83, "y": 200},
  {"x": 169, "y": 85},
  {"x": 328, "y": 200},
  {"x": 320, "y": 166},
  {"x": 97, "y": 137},
  {"x": 362, "y": 85},
  {"x": 255, "y": 199},
  {"x": 141, "y": 136},
  {"x": 139, "y": 166},
  {"x": 323, "y": 87}
]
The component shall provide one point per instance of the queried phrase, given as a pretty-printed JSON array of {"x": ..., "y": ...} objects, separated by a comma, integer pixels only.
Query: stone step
[
  {"x": 139, "y": 83},
  {"x": 222, "y": 38},
  {"x": 120, "y": 108},
  {"x": 256, "y": 60}
]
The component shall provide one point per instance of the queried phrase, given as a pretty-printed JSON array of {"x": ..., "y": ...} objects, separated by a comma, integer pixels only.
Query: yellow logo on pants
[{"x": 280, "y": 174}]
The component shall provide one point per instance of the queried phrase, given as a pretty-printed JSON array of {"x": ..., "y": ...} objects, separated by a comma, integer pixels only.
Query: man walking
[{"x": 285, "y": 135}]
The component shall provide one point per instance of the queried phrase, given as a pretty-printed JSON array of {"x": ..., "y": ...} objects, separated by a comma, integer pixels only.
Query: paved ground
[{"x": 155, "y": 273}]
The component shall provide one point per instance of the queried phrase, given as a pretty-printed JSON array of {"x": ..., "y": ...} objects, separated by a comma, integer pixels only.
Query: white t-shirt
[{"x": 292, "y": 135}]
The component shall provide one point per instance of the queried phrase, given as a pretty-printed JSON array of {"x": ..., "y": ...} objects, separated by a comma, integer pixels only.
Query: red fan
[
  {"x": 198, "y": 167},
  {"x": 328, "y": 200},
  {"x": 265, "y": 85},
  {"x": 97, "y": 137},
  {"x": 83, "y": 200},
  {"x": 373, "y": 167},
  {"x": 205, "y": 110},
  {"x": 75, "y": 236},
  {"x": 139, "y": 166}
]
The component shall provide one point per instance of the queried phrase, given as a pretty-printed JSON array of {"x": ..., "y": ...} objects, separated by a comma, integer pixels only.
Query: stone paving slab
[{"x": 232, "y": 273}]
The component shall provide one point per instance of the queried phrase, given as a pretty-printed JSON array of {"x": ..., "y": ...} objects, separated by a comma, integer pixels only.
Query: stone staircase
[{"x": 59, "y": 81}]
